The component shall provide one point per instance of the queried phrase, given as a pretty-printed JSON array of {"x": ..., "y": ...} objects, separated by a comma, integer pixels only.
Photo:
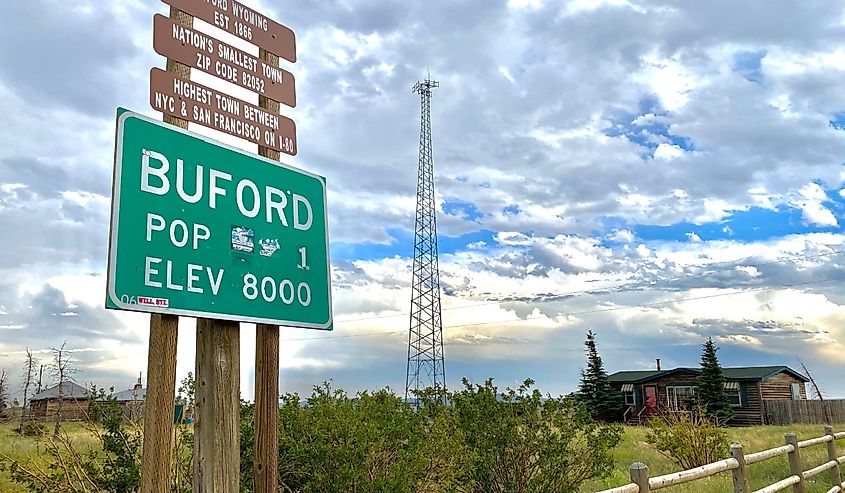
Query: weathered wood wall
[
  {"x": 780, "y": 387},
  {"x": 72, "y": 409},
  {"x": 751, "y": 412},
  {"x": 787, "y": 412},
  {"x": 132, "y": 410},
  {"x": 672, "y": 380}
]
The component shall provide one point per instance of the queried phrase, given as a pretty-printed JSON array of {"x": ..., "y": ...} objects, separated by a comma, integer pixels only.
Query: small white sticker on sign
[{"x": 162, "y": 302}]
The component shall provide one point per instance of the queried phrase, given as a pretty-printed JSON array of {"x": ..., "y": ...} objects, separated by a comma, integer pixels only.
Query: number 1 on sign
[{"x": 303, "y": 259}]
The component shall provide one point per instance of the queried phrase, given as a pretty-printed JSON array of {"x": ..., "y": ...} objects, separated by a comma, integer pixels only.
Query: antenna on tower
[{"x": 425, "y": 336}]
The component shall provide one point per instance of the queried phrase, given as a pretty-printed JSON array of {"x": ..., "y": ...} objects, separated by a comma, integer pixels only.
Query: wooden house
[
  {"x": 71, "y": 398},
  {"x": 648, "y": 392},
  {"x": 131, "y": 401}
]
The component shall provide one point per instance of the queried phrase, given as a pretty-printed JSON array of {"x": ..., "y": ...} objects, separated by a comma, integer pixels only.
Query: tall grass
[
  {"x": 27, "y": 449},
  {"x": 634, "y": 448}
]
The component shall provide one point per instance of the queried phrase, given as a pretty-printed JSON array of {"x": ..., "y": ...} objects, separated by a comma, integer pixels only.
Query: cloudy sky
[{"x": 659, "y": 171}]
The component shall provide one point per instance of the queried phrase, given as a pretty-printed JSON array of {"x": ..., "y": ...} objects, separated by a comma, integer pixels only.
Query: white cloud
[
  {"x": 522, "y": 4},
  {"x": 810, "y": 200},
  {"x": 542, "y": 106},
  {"x": 748, "y": 269},
  {"x": 668, "y": 152},
  {"x": 670, "y": 80},
  {"x": 622, "y": 236},
  {"x": 513, "y": 239},
  {"x": 739, "y": 340},
  {"x": 579, "y": 6}
]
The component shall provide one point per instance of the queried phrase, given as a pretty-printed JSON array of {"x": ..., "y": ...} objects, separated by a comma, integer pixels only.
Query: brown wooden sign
[
  {"x": 245, "y": 23},
  {"x": 208, "y": 107},
  {"x": 203, "y": 52}
]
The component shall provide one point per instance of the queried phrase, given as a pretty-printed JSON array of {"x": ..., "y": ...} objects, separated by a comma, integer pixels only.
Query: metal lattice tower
[{"x": 425, "y": 337}]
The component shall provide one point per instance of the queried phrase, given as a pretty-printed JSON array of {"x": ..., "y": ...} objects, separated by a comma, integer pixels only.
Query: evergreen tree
[
  {"x": 711, "y": 384},
  {"x": 601, "y": 399}
]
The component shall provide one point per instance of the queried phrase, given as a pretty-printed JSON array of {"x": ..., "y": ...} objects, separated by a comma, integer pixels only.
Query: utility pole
[{"x": 425, "y": 337}]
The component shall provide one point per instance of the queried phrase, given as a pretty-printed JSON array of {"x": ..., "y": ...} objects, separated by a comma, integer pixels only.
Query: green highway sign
[{"x": 203, "y": 229}]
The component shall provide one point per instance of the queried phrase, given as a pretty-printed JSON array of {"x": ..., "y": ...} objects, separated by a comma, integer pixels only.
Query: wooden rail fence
[
  {"x": 787, "y": 412},
  {"x": 738, "y": 464}
]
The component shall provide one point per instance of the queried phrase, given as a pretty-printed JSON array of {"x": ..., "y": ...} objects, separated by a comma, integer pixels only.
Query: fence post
[
  {"x": 835, "y": 473},
  {"x": 795, "y": 463},
  {"x": 741, "y": 484},
  {"x": 639, "y": 475}
]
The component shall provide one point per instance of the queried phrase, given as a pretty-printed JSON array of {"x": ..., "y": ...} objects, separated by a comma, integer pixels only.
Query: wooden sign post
[
  {"x": 225, "y": 287},
  {"x": 276, "y": 274},
  {"x": 216, "y": 425},
  {"x": 156, "y": 465},
  {"x": 158, "y": 408},
  {"x": 217, "y": 417},
  {"x": 217, "y": 384},
  {"x": 265, "y": 467}
]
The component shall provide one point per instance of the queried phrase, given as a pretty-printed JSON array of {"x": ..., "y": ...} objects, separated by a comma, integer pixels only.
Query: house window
[
  {"x": 796, "y": 391},
  {"x": 732, "y": 391},
  {"x": 678, "y": 398},
  {"x": 628, "y": 392}
]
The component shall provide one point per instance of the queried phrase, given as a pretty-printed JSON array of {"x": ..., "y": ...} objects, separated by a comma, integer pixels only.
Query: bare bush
[
  {"x": 690, "y": 438},
  {"x": 4, "y": 396}
]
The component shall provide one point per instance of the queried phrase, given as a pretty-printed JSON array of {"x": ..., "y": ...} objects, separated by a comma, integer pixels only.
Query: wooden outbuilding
[
  {"x": 73, "y": 399},
  {"x": 649, "y": 392},
  {"x": 131, "y": 401}
]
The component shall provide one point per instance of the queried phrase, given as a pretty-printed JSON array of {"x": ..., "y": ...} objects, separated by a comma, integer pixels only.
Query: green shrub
[
  {"x": 371, "y": 442},
  {"x": 690, "y": 439},
  {"x": 183, "y": 459},
  {"x": 523, "y": 442},
  {"x": 478, "y": 440},
  {"x": 117, "y": 468},
  {"x": 247, "y": 441}
]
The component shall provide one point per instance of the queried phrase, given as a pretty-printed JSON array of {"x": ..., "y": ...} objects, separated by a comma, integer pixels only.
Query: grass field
[
  {"x": 753, "y": 439},
  {"x": 633, "y": 449},
  {"x": 26, "y": 448}
]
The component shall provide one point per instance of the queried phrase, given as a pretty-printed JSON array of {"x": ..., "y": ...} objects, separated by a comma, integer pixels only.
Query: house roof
[
  {"x": 130, "y": 395},
  {"x": 745, "y": 373},
  {"x": 761, "y": 372},
  {"x": 70, "y": 390}
]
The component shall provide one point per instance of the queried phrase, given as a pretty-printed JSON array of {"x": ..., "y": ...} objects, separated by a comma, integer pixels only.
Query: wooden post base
[
  {"x": 217, "y": 414},
  {"x": 158, "y": 409}
]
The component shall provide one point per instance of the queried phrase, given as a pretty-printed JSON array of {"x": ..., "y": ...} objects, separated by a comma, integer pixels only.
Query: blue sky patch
[
  {"x": 649, "y": 131},
  {"x": 755, "y": 224},
  {"x": 748, "y": 64},
  {"x": 403, "y": 246},
  {"x": 838, "y": 121},
  {"x": 462, "y": 209}
]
